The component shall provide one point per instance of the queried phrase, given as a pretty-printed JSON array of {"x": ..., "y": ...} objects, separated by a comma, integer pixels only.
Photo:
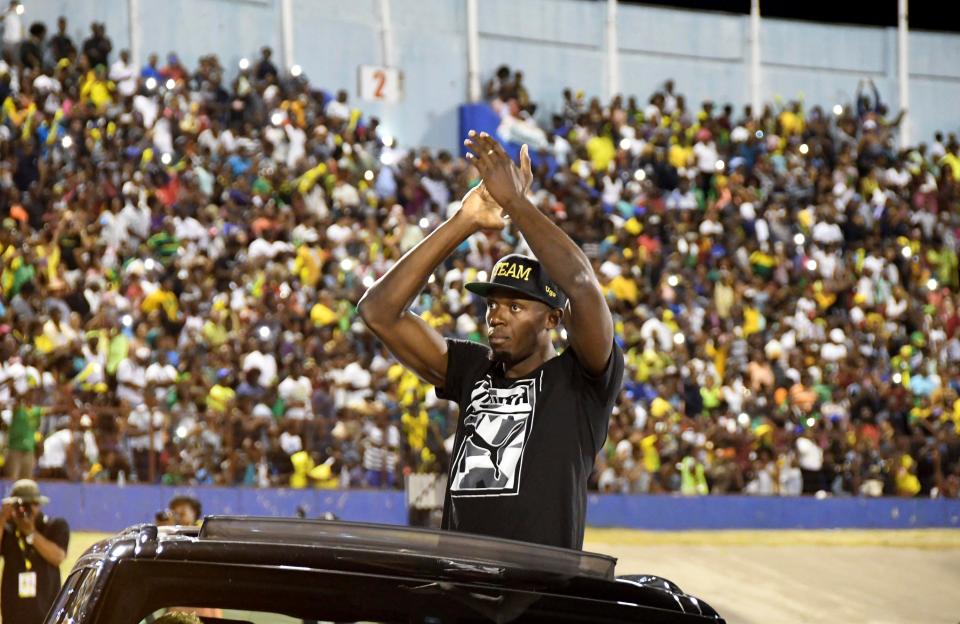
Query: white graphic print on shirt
[{"x": 496, "y": 427}]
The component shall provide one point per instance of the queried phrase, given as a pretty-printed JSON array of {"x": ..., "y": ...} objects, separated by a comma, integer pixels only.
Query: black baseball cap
[{"x": 523, "y": 275}]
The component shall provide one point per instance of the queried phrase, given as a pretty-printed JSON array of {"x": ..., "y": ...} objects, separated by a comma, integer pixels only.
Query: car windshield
[
  {"x": 223, "y": 616},
  {"x": 139, "y": 591}
]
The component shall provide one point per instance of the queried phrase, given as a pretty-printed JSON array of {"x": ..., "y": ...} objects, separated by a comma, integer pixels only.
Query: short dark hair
[{"x": 189, "y": 500}]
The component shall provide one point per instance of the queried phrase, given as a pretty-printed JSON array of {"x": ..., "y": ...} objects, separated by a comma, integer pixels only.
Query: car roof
[{"x": 265, "y": 540}]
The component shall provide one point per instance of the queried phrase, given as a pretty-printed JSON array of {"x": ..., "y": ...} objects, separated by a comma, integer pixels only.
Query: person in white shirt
[
  {"x": 13, "y": 29},
  {"x": 810, "y": 458},
  {"x": 338, "y": 109},
  {"x": 132, "y": 377},
  {"x": 296, "y": 392},
  {"x": 65, "y": 450},
  {"x": 135, "y": 216},
  {"x": 161, "y": 376},
  {"x": 265, "y": 363},
  {"x": 140, "y": 421},
  {"x": 124, "y": 74}
]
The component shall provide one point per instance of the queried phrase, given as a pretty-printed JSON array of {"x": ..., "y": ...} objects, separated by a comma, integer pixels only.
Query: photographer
[{"x": 33, "y": 546}]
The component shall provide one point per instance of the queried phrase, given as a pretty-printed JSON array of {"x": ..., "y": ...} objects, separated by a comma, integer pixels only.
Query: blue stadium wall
[
  {"x": 111, "y": 508},
  {"x": 557, "y": 44}
]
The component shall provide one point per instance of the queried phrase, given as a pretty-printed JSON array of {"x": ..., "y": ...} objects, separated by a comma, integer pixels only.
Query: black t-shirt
[
  {"x": 13, "y": 608},
  {"x": 525, "y": 447}
]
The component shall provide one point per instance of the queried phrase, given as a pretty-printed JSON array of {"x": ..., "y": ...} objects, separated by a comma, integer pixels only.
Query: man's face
[{"x": 516, "y": 325}]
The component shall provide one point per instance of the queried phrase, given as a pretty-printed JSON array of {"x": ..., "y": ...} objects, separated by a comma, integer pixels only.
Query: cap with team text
[{"x": 523, "y": 275}]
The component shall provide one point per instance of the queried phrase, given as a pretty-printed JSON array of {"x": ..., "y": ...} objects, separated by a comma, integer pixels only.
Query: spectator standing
[
  {"x": 97, "y": 46},
  {"x": 13, "y": 30},
  {"x": 61, "y": 46}
]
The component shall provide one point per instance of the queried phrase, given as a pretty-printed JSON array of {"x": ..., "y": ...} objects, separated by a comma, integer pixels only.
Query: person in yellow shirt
[
  {"x": 952, "y": 160},
  {"x": 602, "y": 152},
  {"x": 416, "y": 425},
  {"x": 681, "y": 153},
  {"x": 624, "y": 288},
  {"x": 791, "y": 121},
  {"x": 222, "y": 394},
  {"x": 164, "y": 298},
  {"x": 97, "y": 89},
  {"x": 214, "y": 328},
  {"x": 308, "y": 265}
]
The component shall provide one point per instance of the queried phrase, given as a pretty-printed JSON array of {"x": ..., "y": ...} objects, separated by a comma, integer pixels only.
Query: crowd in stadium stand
[{"x": 183, "y": 249}]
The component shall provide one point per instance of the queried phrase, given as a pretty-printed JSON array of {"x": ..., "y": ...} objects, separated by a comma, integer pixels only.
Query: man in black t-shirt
[
  {"x": 33, "y": 545},
  {"x": 531, "y": 420}
]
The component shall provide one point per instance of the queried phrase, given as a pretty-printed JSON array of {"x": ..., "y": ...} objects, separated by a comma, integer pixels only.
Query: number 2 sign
[{"x": 380, "y": 84}]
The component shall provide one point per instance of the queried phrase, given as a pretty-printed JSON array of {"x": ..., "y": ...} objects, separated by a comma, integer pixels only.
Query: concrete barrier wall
[{"x": 111, "y": 508}]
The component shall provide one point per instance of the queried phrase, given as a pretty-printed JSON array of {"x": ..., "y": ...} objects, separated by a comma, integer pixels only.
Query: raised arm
[
  {"x": 588, "y": 320},
  {"x": 385, "y": 306}
]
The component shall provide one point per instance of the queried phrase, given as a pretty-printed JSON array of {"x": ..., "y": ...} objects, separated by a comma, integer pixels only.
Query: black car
[{"x": 288, "y": 571}]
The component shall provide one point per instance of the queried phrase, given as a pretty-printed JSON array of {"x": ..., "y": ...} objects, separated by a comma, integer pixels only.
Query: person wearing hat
[
  {"x": 33, "y": 545},
  {"x": 531, "y": 420}
]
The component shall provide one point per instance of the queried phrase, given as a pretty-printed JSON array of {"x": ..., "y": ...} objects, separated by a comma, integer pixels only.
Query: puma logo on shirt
[{"x": 497, "y": 427}]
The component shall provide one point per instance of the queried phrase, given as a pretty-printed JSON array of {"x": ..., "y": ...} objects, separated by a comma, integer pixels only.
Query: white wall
[{"x": 557, "y": 43}]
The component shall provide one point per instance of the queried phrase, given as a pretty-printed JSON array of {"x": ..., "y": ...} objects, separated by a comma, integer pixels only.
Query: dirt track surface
[
  {"x": 788, "y": 577},
  {"x": 875, "y": 577}
]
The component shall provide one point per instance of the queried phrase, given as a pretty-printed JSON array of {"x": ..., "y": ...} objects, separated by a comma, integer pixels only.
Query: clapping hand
[
  {"x": 482, "y": 209},
  {"x": 502, "y": 180}
]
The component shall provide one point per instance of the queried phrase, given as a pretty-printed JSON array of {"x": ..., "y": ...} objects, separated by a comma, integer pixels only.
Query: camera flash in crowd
[
  {"x": 932, "y": 284},
  {"x": 640, "y": 175},
  {"x": 799, "y": 239},
  {"x": 295, "y": 71},
  {"x": 171, "y": 84},
  {"x": 906, "y": 251},
  {"x": 368, "y": 175},
  {"x": 166, "y": 159},
  {"x": 673, "y": 281},
  {"x": 837, "y": 109},
  {"x": 19, "y": 9},
  {"x": 368, "y": 281},
  {"x": 424, "y": 223},
  {"x": 804, "y": 148},
  {"x": 150, "y": 83},
  {"x": 811, "y": 265},
  {"x": 244, "y": 64},
  {"x": 67, "y": 142},
  {"x": 276, "y": 118}
]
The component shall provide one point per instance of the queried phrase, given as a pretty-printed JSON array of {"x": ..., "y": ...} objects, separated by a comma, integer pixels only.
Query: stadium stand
[{"x": 183, "y": 252}]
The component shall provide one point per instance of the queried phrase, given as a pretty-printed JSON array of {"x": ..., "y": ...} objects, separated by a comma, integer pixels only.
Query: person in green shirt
[
  {"x": 22, "y": 443},
  {"x": 22, "y": 439}
]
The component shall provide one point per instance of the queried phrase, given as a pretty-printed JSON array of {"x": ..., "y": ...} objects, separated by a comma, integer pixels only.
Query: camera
[{"x": 21, "y": 509}]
